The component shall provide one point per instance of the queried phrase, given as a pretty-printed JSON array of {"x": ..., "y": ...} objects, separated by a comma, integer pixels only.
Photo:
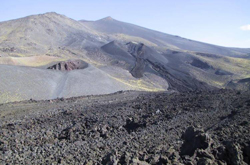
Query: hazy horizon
[{"x": 224, "y": 23}]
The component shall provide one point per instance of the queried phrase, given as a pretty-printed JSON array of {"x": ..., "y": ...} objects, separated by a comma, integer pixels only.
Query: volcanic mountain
[{"x": 116, "y": 56}]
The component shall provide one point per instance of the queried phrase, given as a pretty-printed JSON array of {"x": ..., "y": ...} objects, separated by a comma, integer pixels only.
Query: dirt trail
[{"x": 60, "y": 85}]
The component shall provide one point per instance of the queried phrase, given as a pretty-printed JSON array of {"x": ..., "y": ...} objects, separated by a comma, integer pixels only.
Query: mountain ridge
[{"x": 109, "y": 18}]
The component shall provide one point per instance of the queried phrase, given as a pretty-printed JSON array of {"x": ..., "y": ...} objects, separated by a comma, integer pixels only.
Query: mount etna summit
[{"x": 110, "y": 92}]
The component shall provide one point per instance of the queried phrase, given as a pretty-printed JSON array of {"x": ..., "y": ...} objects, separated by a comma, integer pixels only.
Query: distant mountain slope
[
  {"x": 120, "y": 56},
  {"x": 42, "y": 34},
  {"x": 109, "y": 25},
  {"x": 45, "y": 33}
]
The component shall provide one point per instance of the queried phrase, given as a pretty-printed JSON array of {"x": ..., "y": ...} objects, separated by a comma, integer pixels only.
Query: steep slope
[
  {"x": 179, "y": 80},
  {"x": 118, "y": 51},
  {"x": 42, "y": 34},
  {"x": 143, "y": 60},
  {"x": 177, "y": 66}
]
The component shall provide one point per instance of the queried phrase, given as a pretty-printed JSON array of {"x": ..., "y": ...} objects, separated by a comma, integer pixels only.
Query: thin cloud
[{"x": 245, "y": 27}]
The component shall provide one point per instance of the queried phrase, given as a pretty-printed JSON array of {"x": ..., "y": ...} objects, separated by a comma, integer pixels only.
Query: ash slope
[
  {"x": 129, "y": 127},
  {"x": 113, "y": 49},
  {"x": 24, "y": 83}
]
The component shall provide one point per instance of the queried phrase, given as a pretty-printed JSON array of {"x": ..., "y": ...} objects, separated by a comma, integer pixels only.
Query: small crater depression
[{"x": 69, "y": 65}]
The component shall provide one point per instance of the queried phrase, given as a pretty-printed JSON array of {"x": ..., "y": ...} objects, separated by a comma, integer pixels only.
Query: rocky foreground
[{"x": 129, "y": 128}]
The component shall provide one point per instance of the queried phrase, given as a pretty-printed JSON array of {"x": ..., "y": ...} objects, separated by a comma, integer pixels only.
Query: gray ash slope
[
  {"x": 208, "y": 127},
  {"x": 118, "y": 54}
]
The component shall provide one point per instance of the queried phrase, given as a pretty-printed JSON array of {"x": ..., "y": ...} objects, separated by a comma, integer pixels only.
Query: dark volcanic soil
[{"x": 129, "y": 128}]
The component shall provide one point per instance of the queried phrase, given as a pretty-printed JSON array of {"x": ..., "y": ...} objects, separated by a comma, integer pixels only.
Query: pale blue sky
[{"x": 213, "y": 21}]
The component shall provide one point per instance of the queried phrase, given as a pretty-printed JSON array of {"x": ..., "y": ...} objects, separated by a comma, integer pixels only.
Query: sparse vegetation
[{"x": 109, "y": 92}]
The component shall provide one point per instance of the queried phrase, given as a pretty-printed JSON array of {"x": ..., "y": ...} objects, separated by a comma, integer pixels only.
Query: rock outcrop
[
  {"x": 193, "y": 140},
  {"x": 69, "y": 65},
  {"x": 199, "y": 148}
]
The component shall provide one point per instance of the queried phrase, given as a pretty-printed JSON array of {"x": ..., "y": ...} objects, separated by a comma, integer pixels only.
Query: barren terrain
[
  {"x": 116, "y": 56},
  {"x": 110, "y": 92},
  {"x": 209, "y": 127}
]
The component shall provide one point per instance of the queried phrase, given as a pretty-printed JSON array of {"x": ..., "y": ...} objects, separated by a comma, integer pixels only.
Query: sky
[{"x": 219, "y": 22}]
